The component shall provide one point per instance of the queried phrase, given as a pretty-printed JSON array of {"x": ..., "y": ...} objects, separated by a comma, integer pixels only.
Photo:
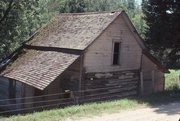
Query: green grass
[
  {"x": 172, "y": 80},
  {"x": 76, "y": 112}
]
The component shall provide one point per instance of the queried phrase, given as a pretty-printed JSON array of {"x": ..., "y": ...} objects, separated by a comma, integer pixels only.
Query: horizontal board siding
[
  {"x": 117, "y": 83},
  {"x": 98, "y": 57}
]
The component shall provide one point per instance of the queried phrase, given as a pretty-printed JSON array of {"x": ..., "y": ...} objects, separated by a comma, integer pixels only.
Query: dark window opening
[{"x": 116, "y": 53}]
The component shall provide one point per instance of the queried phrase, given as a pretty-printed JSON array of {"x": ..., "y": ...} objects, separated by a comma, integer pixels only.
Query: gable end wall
[{"x": 98, "y": 57}]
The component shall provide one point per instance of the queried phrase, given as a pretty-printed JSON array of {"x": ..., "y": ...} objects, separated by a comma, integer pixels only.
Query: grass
[
  {"x": 76, "y": 112},
  {"x": 172, "y": 80}
]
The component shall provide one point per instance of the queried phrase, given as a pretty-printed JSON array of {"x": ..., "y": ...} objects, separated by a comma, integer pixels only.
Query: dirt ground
[{"x": 168, "y": 112}]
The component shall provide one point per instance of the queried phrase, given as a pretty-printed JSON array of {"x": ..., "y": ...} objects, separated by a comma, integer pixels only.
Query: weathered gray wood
[
  {"x": 112, "y": 83},
  {"x": 142, "y": 83},
  {"x": 153, "y": 79},
  {"x": 157, "y": 77}
]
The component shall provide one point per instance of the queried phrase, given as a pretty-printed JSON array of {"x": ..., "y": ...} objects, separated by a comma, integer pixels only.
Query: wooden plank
[
  {"x": 142, "y": 83},
  {"x": 153, "y": 80}
]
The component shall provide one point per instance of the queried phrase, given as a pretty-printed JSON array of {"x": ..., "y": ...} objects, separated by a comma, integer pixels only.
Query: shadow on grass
[{"x": 167, "y": 102}]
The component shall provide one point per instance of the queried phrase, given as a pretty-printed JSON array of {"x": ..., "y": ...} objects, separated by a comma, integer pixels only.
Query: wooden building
[{"x": 82, "y": 51}]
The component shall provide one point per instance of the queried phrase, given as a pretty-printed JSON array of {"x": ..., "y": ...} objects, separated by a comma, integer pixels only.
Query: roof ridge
[{"x": 88, "y": 13}]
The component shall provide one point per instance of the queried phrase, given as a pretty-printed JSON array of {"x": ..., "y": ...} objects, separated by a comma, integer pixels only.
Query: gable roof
[
  {"x": 49, "y": 50},
  {"x": 74, "y": 31},
  {"x": 53, "y": 48}
]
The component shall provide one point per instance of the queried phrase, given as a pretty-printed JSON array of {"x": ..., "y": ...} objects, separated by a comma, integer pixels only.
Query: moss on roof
[
  {"x": 73, "y": 31},
  {"x": 51, "y": 26},
  {"x": 18, "y": 57}
]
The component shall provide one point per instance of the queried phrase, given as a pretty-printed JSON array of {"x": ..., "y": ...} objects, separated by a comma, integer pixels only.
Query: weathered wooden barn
[{"x": 81, "y": 51}]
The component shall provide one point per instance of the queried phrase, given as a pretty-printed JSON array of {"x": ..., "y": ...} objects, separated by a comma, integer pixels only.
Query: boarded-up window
[{"x": 116, "y": 53}]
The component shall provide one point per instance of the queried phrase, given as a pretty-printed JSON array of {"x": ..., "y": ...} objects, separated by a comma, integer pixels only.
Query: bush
[
  {"x": 172, "y": 80},
  {"x": 172, "y": 85}
]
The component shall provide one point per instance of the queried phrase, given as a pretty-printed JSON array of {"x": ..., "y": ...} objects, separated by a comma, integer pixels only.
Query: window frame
[{"x": 113, "y": 45}]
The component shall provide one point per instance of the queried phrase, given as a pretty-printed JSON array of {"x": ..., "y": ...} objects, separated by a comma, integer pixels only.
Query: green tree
[
  {"x": 19, "y": 19},
  {"x": 163, "y": 32},
  {"x": 140, "y": 24},
  {"x": 73, "y": 6}
]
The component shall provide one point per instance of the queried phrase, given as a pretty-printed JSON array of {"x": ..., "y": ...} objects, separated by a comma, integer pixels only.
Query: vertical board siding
[
  {"x": 147, "y": 67},
  {"x": 4, "y": 95},
  {"x": 28, "y": 92},
  {"x": 98, "y": 57}
]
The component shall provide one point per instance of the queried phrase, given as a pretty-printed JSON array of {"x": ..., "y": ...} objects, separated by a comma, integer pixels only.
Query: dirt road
[{"x": 169, "y": 112}]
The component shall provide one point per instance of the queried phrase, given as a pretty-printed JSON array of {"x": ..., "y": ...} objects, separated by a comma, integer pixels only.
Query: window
[{"x": 116, "y": 53}]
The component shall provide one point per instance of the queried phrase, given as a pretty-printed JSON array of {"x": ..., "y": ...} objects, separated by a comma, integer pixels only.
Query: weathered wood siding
[
  {"x": 5, "y": 99},
  {"x": 68, "y": 80},
  {"x": 159, "y": 81},
  {"x": 147, "y": 68},
  {"x": 114, "y": 84},
  {"x": 28, "y": 92},
  {"x": 98, "y": 57}
]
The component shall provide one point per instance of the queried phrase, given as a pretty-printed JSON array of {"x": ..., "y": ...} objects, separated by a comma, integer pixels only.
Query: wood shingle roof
[
  {"x": 39, "y": 68},
  {"x": 62, "y": 35},
  {"x": 74, "y": 31}
]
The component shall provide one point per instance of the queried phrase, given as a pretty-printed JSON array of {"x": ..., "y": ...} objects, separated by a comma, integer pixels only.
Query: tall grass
[
  {"x": 172, "y": 80},
  {"x": 75, "y": 112},
  {"x": 93, "y": 109}
]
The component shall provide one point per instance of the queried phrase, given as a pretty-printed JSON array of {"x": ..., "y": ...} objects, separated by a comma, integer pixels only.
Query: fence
[{"x": 58, "y": 100}]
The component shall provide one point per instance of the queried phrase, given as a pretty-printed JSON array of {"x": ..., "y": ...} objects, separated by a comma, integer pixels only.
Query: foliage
[
  {"x": 163, "y": 34},
  {"x": 140, "y": 24},
  {"x": 172, "y": 80},
  {"x": 19, "y": 19}
]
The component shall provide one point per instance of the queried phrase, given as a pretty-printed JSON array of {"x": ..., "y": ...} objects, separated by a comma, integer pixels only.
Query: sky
[{"x": 139, "y": 1}]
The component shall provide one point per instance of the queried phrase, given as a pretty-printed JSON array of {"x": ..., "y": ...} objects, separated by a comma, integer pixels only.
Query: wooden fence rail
[{"x": 38, "y": 103}]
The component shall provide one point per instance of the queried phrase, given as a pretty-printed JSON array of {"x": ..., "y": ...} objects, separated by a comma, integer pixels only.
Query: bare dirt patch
[{"x": 166, "y": 112}]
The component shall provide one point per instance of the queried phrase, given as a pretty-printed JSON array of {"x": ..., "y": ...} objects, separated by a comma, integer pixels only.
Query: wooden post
[
  {"x": 153, "y": 79},
  {"x": 142, "y": 84},
  {"x": 80, "y": 76}
]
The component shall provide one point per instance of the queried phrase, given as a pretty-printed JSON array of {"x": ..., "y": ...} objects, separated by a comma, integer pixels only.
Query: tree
[
  {"x": 18, "y": 20},
  {"x": 73, "y": 6},
  {"x": 163, "y": 32},
  {"x": 140, "y": 24}
]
